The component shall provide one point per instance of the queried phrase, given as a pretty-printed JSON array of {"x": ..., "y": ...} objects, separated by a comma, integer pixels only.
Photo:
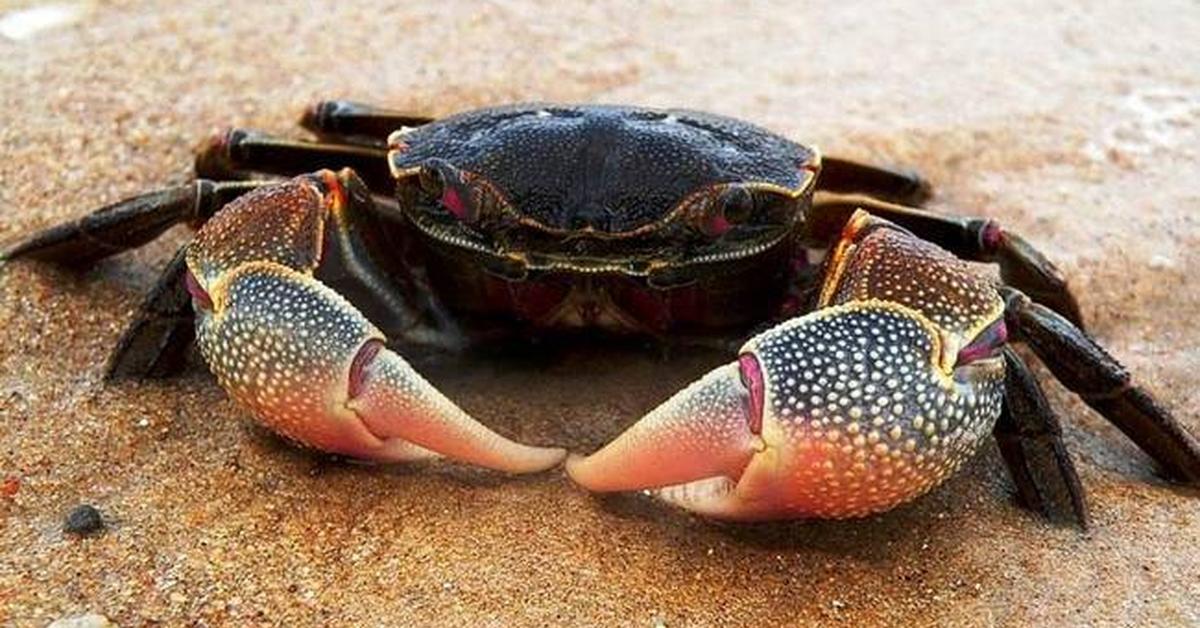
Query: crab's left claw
[{"x": 867, "y": 402}]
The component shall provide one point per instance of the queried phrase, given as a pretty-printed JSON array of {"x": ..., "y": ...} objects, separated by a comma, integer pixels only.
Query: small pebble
[
  {"x": 84, "y": 520},
  {"x": 1161, "y": 262},
  {"x": 90, "y": 620}
]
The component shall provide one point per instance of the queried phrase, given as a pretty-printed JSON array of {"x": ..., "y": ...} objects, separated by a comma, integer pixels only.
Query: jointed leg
[
  {"x": 352, "y": 136},
  {"x": 236, "y": 153},
  {"x": 356, "y": 123},
  {"x": 1088, "y": 371},
  {"x": 156, "y": 342},
  {"x": 850, "y": 177},
  {"x": 1030, "y": 441},
  {"x": 221, "y": 164},
  {"x": 979, "y": 239},
  {"x": 126, "y": 224}
]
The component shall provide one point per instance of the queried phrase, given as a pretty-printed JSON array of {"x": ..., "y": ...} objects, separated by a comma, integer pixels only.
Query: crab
[{"x": 878, "y": 357}]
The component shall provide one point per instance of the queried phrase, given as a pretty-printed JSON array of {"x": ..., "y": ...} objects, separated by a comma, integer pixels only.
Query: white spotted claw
[
  {"x": 867, "y": 402},
  {"x": 857, "y": 417},
  {"x": 302, "y": 358}
]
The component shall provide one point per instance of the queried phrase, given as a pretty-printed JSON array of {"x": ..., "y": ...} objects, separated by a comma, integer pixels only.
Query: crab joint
[
  {"x": 200, "y": 297},
  {"x": 752, "y": 379},
  {"x": 986, "y": 345}
]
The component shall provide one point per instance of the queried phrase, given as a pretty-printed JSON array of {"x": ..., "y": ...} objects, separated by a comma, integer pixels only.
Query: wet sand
[{"x": 1076, "y": 125}]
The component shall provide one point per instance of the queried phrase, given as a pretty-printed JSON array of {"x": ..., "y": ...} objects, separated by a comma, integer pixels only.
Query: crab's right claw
[
  {"x": 309, "y": 366},
  {"x": 857, "y": 407},
  {"x": 301, "y": 357}
]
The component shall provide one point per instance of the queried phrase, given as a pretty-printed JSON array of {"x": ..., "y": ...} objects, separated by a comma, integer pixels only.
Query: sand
[{"x": 1074, "y": 123}]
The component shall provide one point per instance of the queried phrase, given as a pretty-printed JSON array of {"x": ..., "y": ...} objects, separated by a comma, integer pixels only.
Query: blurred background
[{"x": 1074, "y": 123}]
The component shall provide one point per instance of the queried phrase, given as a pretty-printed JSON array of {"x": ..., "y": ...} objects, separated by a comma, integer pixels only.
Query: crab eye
[
  {"x": 734, "y": 206},
  {"x": 737, "y": 205},
  {"x": 432, "y": 182},
  {"x": 436, "y": 189}
]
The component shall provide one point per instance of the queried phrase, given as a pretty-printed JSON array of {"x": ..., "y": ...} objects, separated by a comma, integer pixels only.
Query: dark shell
[{"x": 613, "y": 168}]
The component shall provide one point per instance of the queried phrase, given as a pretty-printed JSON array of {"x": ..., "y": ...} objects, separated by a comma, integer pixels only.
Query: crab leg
[
  {"x": 352, "y": 135},
  {"x": 156, "y": 343},
  {"x": 898, "y": 186},
  {"x": 233, "y": 153},
  {"x": 302, "y": 358},
  {"x": 1086, "y": 369},
  {"x": 979, "y": 239},
  {"x": 126, "y": 224},
  {"x": 1030, "y": 441},
  {"x": 865, "y": 403},
  {"x": 356, "y": 123}
]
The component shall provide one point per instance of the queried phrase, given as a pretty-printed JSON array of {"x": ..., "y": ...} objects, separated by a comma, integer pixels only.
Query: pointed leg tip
[
  {"x": 15, "y": 249},
  {"x": 1083, "y": 521},
  {"x": 920, "y": 190}
]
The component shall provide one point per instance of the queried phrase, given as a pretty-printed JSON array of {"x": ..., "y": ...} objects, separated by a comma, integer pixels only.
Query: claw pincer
[{"x": 867, "y": 402}]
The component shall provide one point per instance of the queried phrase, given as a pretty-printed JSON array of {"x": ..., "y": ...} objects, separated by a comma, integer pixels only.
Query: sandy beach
[{"x": 1075, "y": 124}]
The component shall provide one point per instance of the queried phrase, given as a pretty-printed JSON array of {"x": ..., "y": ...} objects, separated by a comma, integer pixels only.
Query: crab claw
[
  {"x": 845, "y": 412},
  {"x": 309, "y": 366},
  {"x": 303, "y": 359},
  {"x": 850, "y": 410}
]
